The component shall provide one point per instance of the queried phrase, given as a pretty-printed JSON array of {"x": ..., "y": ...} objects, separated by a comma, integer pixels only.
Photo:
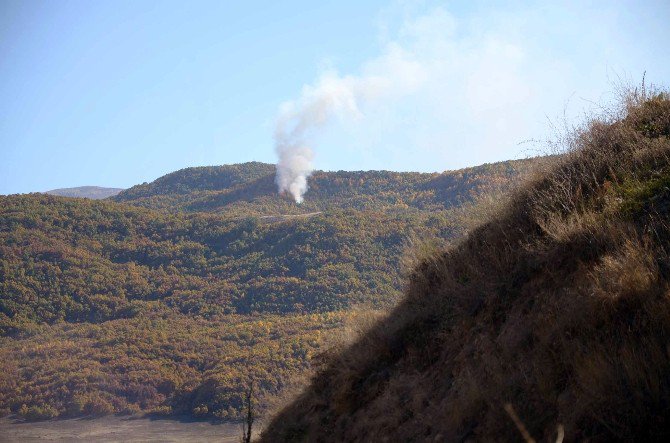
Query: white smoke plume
[
  {"x": 443, "y": 92},
  {"x": 331, "y": 96}
]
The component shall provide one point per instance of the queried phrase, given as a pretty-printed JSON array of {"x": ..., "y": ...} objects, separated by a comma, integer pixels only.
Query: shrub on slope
[{"x": 558, "y": 306}]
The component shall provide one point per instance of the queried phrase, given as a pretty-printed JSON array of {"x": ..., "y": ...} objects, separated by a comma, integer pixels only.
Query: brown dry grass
[{"x": 559, "y": 305}]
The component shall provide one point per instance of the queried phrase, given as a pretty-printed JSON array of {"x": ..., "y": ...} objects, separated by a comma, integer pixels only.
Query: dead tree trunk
[{"x": 249, "y": 418}]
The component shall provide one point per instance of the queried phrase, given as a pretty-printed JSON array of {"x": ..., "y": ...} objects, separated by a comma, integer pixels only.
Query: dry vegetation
[{"x": 558, "y": 306}]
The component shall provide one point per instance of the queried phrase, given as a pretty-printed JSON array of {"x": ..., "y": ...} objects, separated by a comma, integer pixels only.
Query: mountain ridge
[{"x": 249, "y": 188}]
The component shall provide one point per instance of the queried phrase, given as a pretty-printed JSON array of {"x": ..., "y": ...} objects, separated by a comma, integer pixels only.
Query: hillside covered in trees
[
  {"x": 172, "y": 296},
  {"x": 249, "y": 189},
  {"x": 550, "y": 321}
]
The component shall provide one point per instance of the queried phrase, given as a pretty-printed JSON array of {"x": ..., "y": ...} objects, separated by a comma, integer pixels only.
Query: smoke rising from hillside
[
  {"x": 332, "y": 96},
  {"x": 451, "y": 91}
]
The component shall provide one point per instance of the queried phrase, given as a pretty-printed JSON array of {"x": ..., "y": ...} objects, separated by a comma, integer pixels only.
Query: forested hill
[
  {"x": 172, "y": 296},
  {"x": 78, "y": 260},
  {"x": 249, "y": 189}
]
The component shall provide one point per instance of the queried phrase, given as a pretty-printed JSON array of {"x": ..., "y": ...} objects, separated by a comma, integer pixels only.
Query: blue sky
[{"x": 115, "y": 93}]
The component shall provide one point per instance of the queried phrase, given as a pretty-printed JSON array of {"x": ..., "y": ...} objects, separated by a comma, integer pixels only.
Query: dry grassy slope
[{"x": 559, "y": 306}]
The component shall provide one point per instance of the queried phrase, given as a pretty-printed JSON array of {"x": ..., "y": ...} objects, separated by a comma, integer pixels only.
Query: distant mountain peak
[{"x": 92, "y": 192}]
